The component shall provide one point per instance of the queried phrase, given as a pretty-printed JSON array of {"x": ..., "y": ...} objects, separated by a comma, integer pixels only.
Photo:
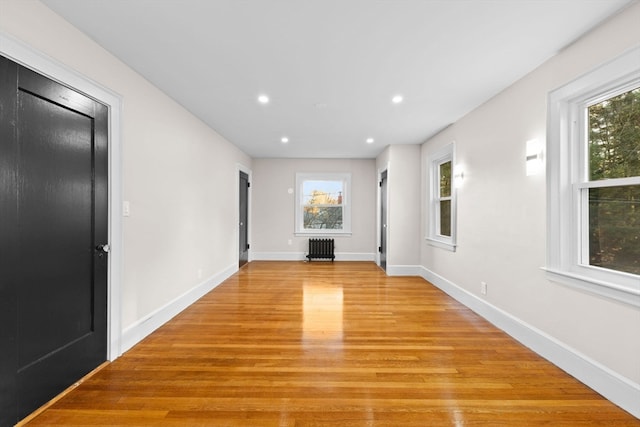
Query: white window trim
[
  {"x": 346, "y": 204},
  {"x": 443, "y": 155},
  {"x": 565, "y": 159}
]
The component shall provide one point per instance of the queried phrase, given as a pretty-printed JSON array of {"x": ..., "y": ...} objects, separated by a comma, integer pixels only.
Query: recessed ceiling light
[
  {"x": 397, "y": 99},
  {"x": 263, "y": 99},
  {"x": 284, "y": 139},
  {"x": 369, "y": 140}
]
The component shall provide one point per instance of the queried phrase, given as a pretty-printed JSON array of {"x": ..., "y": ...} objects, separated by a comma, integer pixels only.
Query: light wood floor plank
[{"x": 293, "y": 344}]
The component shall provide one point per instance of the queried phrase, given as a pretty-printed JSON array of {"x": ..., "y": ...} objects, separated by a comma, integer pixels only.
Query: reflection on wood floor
[{"x": 330, "y": 344}]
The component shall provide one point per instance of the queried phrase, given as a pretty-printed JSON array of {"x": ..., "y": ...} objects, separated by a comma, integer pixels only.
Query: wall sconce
[
  {"x": 534, "y": 157},
  {"x": 458, "y": 177}
]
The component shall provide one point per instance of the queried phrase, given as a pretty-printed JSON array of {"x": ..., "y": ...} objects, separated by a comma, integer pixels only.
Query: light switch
[{"x": 126, "y": 209}]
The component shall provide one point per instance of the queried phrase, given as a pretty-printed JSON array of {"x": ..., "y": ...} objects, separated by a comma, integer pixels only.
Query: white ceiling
[{"x": 331, "y": 67}]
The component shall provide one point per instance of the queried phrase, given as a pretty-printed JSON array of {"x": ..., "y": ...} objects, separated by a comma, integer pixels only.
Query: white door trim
[
  {"x": 242, "y": 168},
  {"x": 378, "y": 261},
  {"x": 31, "y": 58}
]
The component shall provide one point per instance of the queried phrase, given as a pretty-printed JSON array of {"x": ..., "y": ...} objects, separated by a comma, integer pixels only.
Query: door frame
[
  {"x": 381, "y": 170},
  {"x": 242, "y": 168},
  {"x": 37, "y": 61}
]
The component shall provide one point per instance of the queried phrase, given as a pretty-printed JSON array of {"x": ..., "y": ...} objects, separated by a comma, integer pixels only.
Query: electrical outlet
[
  {"x": 289, "y": 242},
  {"x": 483, "y": 288},
  {"x": 199, "y": 273}
]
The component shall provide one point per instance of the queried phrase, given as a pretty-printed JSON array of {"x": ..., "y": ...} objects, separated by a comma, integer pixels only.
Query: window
[
  {"x": 593, "y": 181},
  {"x": 613, "y": 140},
  {"x": 322, "y": 203},
  {"x": 442, "y": 209}
]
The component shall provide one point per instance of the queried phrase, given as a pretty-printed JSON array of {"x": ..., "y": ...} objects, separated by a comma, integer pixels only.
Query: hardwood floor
[{"x": 330, "y": 344}]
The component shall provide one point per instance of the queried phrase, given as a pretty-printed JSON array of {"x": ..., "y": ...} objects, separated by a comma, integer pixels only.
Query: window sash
[
  {"x": 324, "y": 208},
  {"x": 440, "y": 224},
  {"x": 580, "y": 115},
  {"x": 617, "y": 182},
  {"x": 323, "y": 205},
  {"x": 584, "y": 202},
  {"x": 341, "y": 192}
]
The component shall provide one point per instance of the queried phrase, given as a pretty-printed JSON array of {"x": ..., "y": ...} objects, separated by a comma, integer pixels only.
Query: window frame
[
  {"x": 301, "y": 178},
  {"x": 435, "y": 161},
  {"x": 568, "y": 180}
]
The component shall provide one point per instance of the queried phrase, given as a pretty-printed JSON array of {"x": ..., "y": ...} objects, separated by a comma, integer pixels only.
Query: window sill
[
  {"x": 440, "y": 244},
  {"x": 610, "y": 290},
  {"x": 322, "y": 233}
]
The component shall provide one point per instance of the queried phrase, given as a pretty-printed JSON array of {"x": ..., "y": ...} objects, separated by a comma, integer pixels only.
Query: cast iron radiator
[{"x": 321, "y": 249}]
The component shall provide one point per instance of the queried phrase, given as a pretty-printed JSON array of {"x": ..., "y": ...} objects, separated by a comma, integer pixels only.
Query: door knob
[{"x": 103, "y": 248}]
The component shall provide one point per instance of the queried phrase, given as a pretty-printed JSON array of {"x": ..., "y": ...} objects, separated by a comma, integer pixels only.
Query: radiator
[{"x": 321, "y": 249}]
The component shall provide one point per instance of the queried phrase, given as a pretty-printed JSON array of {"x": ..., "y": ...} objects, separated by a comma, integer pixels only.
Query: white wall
[
  {"x": 502, "y": 212},
  {"x": 272, "y": 208},
  {"x": 403, "y": 214},
  {"x": 178, "y": 174}
]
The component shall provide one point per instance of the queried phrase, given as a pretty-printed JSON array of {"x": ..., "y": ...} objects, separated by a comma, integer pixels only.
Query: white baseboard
[
  {"x": 301, "y": 256},
  {"x": 355, "y": 256},
  {"x": 615, "y": 387},
  {"x": 277, "y": 256},
  {"x": 403, "y": 270},
  {"x": 143, "y": 327}
]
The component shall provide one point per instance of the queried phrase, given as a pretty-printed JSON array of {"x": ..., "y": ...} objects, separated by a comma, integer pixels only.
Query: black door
[
  {"x": 53, "y": 210},
  {"x": 243, "y": 244},
  {"x": 383, "y": 220}
]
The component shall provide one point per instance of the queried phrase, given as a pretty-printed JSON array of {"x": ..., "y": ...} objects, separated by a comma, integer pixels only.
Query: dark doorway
[
  {"x": 383, "y": 221},
  {"x": 53, "y": 238},
  {"x": 243, "y": 244}
]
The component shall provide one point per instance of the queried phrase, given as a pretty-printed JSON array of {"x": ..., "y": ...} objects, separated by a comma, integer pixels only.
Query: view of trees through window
[
  {"x": 614, "y": 211},
  {"x": 445, "y": 199},
  {"x": 322, "y": 202}
]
